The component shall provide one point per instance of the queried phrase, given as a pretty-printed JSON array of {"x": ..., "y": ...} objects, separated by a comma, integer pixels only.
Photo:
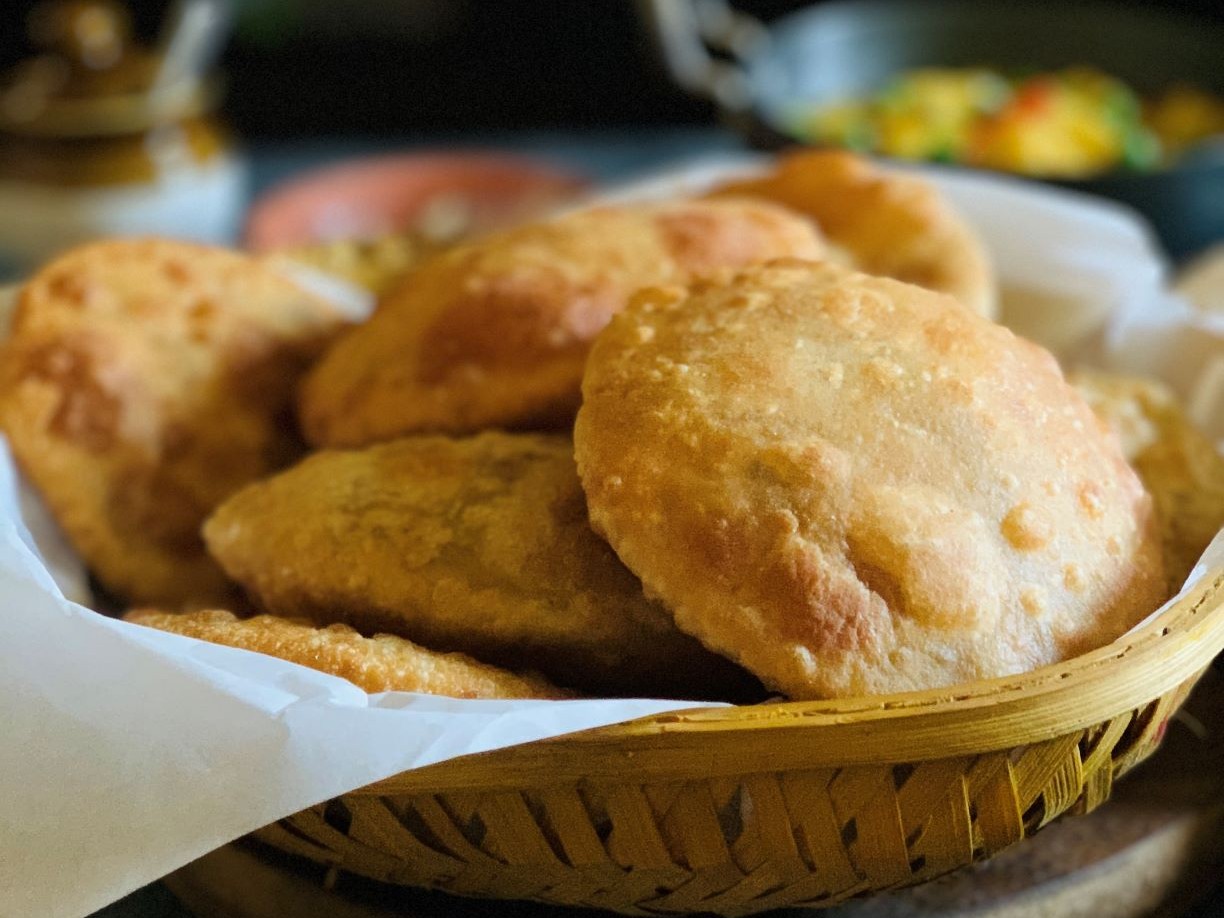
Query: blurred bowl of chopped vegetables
[{"x": 1124, "y": 102}]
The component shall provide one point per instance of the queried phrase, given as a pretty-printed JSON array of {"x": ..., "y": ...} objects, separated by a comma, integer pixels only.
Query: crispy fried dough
[
  {"x": 852, "y": 485},
  {"x": 143, "y": 382},
  {"x": 888, "y": 223},
  {"x": 384, "y": 663},
  {"x": 479, "y": 545},
  {"x": 376, "y": 265},
  {"x": 1180, "y": 467},
  {"x": 494, "y": 333}
]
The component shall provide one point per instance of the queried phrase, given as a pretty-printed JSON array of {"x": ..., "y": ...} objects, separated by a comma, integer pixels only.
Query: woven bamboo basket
[{"x": 735, "y": 811}]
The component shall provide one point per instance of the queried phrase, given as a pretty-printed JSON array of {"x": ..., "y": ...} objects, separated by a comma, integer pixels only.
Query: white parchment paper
[{"x": 127, "y": 752}]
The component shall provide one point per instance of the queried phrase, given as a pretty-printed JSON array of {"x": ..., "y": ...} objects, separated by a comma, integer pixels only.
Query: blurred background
[
  {"x": 275, "y": 88},
  {"x": 395, "y": 68},
  {"x": 309, "y": 68}
]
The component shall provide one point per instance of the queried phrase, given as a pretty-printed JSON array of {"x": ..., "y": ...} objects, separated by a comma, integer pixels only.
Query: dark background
[{"x": 317, "y": 68}]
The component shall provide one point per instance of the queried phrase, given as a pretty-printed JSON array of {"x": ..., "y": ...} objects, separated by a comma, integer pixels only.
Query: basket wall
[
  {"x": 740, "y": 810},
  {"x": 731, "y": 845}
]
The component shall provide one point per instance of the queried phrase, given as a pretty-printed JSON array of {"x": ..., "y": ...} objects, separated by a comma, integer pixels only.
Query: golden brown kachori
[
  {"x": 853, "y": 486},
  {"x": 143, "y": 382},
  {"x": 480, "y": 545},
  {"x": 383, "y": 663},
  {"x": 883, "y": 221},
  {"x": 494, "y": 333}
]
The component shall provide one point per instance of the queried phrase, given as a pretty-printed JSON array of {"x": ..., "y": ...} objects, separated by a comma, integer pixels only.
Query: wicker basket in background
[{"x": 736, "y": 811}]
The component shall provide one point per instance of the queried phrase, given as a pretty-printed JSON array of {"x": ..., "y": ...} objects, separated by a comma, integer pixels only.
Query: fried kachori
[
  {"x": 494, "y": 333},
  {"x": 882, "y": 221},
  {"x": 478, "y": 545},
  {"x": 383, "y": 663},
  {"x": 854, "y": 486},
  {"x": 1180, "y": 467},
  {"x": 144, "y": 381}
]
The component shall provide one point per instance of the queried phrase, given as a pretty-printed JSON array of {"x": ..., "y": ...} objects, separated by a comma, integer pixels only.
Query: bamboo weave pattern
[{"x": 733, "y": 846}]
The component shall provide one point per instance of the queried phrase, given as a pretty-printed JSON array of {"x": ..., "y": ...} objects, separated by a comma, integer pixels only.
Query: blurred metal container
[
  {"x": 101, "y": 137},
  {"x": 759, "y": 75}
]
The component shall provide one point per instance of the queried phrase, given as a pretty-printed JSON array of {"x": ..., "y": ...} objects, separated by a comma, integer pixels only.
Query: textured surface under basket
[{"x": 715, "y": 827}]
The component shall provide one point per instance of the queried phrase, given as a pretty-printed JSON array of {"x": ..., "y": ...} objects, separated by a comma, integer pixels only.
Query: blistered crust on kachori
[
  {"x": 494, "y": 333},
  {"x": 480, "y": 545},
  {"x": 883, "y": 221},
  {"x": 143, "y": 382},
  {"x": 1180, "y": 467},
  {"x": 852, "y": 485},
  {"x": 383, "y": 663}
]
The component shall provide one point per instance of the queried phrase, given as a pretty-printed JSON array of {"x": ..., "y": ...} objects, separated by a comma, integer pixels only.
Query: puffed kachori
[
  {"x": 477, "y": 545},
  {"x": 1180, "y": 467},
  {"x": 383, "y": 663},
  {"x": 852, "y": 485},
  {"x": 881, "y": 221},
  {"x": 142, "y": 383},
  {"x": 494, "y": 333}
]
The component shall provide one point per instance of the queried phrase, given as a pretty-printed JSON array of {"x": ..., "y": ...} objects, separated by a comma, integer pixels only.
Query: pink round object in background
[{"x": 439, "y": 194}]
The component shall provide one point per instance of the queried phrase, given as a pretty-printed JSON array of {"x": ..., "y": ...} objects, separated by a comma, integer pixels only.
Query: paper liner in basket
[{"x": 126, "y": 752}]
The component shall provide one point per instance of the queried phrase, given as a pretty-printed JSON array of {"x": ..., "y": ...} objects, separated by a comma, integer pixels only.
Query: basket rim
[{"x": 1167, "y": 650}]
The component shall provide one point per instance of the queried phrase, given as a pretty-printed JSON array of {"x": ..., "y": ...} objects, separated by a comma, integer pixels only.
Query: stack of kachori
[{"x": 764, "y": 441}]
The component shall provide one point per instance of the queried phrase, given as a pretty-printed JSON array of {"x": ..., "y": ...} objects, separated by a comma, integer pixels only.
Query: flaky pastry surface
[
  {"x": 494, "y": 333},
  {"x": 854, "y": 486},
  {"x": 144, "y": 381},
  {"x": 1179, "y": 465},
  {"x": 480, "y": 545},
  {"x": 383, "y": 663},
  {"x": 886, "y": 222}
]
